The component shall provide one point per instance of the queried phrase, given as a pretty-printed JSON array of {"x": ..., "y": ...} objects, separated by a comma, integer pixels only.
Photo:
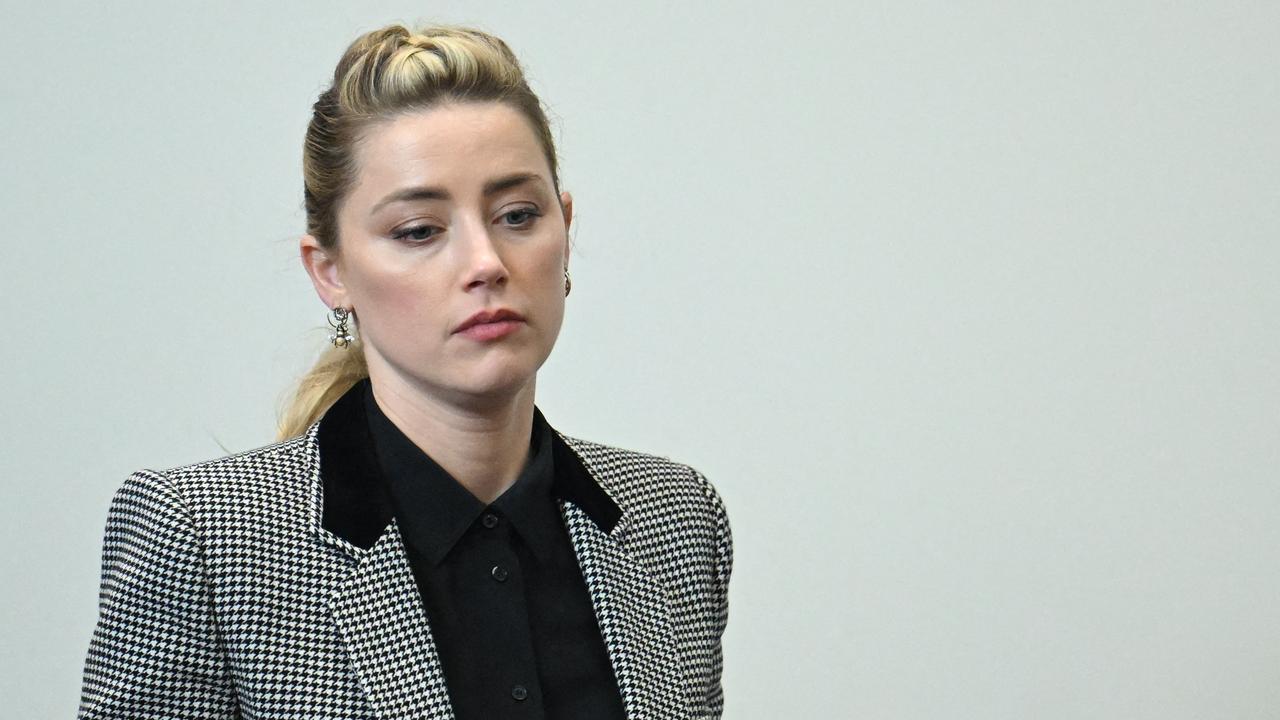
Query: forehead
[{"x": 452, "y": 143}]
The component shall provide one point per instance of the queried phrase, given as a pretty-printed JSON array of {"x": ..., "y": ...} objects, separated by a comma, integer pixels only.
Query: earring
[
  {"x": 341, "y": 335},
  {"x": 567, "y": 282}
]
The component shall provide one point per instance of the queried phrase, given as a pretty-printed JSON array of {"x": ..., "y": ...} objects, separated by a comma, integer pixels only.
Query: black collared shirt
[{"x": 505, "y": 599}]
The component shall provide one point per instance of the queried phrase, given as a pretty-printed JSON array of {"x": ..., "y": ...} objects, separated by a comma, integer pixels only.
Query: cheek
[
  {"x": 552, "y": 270},
  {"x": 400, "y": 304},
  {"x": 551, "y": 262},
  {"x": 549, "y": 292},
  {"x": 551, "y": 283}
]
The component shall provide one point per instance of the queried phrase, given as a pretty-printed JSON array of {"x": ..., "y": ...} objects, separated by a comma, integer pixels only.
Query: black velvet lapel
[
  {"x": 575, "y": 483},
  {"x": 356, "y": 507}
]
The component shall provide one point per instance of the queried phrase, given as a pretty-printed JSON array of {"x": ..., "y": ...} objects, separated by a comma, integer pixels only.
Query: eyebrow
[{"x": 423, "y": 192}]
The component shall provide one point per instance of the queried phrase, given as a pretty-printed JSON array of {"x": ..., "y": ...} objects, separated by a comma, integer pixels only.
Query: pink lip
[
  {"x": 491, "y": 330},
  {"x": 489, "y": 316}
]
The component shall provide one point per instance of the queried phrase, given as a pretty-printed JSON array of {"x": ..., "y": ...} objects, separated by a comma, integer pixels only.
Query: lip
[{"x": 490, "y": 316}]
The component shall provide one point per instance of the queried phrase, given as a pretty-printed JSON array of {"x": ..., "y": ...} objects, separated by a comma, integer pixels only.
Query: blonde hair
[{"x": 384, "y": 73}]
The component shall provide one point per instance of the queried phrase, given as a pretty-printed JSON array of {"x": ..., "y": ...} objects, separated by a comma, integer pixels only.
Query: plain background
[{"x": 969, "y": 309}]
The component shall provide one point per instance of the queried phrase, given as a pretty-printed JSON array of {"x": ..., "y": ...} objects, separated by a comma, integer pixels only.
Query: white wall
[{"x": 969, "y": 309}]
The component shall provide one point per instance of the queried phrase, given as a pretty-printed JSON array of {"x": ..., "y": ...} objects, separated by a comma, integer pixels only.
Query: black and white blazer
[{"x": 224, "y": 596}]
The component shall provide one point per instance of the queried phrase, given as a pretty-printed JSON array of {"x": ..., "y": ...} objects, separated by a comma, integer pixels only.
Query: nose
[{"x": 481, "y": 260}]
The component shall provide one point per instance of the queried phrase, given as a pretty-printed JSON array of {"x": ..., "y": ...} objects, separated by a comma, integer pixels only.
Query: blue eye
[
  {"x": 417, "y": 232},
  {"x": 522, "y": 216}
]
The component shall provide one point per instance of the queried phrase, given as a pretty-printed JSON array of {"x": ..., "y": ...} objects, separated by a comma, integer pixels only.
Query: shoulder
[
  {"x": 264, "y": 466},
  {"x": 636, "y": 471},
  {"x": 677, "y": 522},
  {"x": 649, "y": 485},
  {"x": 260, "y": 481}
]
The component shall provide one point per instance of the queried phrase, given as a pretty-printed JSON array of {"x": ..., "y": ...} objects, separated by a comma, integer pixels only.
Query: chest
[{"x": 324, "y": 630}]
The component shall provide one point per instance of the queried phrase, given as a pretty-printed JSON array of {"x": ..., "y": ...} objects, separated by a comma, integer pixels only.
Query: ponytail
[{"x": 337, "y": 370}]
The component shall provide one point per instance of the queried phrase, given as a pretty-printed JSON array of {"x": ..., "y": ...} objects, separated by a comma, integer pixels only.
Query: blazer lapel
[
  {"x": 376, "y": 607},
  {"x": 379, "y": 614},
  {"x": 633, "y": 612}
]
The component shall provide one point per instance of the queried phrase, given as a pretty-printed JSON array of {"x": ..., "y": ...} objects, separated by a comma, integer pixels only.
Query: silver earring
[
  {"x": 341, "y": 335},
  {"x": 567, "y": 282}
]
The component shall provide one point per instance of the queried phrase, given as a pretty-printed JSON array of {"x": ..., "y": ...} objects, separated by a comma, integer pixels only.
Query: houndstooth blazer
[{"x": 224, "y": 596}]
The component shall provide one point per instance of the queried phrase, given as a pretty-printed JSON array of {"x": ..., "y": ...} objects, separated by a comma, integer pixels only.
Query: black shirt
[{"x": 508, "y": 609}]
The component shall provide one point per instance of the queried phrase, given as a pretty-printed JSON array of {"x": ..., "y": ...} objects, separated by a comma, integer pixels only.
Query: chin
[
  {"x": 499, "y": 383},
  {"x": 488, "y": 380}
]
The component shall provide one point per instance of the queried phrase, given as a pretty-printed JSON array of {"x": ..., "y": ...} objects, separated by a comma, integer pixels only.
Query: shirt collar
[
  {"x": 434, "y": 510},
  {"x": 354, "y": 502}
]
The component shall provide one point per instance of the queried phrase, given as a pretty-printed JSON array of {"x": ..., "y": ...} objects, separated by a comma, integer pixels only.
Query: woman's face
[{"x": 453, "y": 212}]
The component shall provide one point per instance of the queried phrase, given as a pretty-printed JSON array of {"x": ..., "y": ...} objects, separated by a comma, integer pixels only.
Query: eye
[
  {"x": 520, "y": 217},
  {"x": 417, "y": 233}
]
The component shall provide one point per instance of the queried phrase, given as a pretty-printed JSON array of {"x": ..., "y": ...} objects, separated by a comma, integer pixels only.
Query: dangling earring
[
  {"x": 341, "y": 335},
  {"x": 567, "y": 282}
]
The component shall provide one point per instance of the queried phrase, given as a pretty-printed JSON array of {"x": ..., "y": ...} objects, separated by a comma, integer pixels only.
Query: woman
[{"x": 421, "y": 543}]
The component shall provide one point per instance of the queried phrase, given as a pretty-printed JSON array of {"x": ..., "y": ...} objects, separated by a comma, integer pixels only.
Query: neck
[{"x": 484, "y": 446}]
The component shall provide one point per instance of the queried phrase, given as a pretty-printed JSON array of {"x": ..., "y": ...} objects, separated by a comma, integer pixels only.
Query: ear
[
  {"x": 322, "y": 267},
  {"x": 566, "y": 208}
]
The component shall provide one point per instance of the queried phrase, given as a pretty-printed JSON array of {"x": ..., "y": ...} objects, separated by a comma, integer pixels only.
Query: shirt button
[
  {"x": 519, "y": 692},
  {"x": 500, "y": 574},
  {"x": 489, "y": 520}
]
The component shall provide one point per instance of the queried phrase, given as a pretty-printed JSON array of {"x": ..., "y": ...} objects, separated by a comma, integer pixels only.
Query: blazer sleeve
[
  {"x": 155, "y": 651},
  {"x": 720, "y": 597}
]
